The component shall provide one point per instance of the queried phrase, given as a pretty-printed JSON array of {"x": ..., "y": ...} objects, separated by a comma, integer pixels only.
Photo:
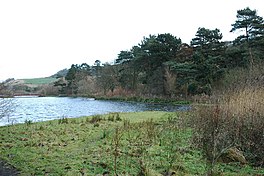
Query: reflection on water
[{"x": 48, "y": 108}]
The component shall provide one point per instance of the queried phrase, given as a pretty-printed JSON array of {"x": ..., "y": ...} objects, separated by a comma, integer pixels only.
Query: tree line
[{"x": 163, "y": 65}]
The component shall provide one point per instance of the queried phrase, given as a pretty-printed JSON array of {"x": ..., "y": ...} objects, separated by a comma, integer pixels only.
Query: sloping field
[{"x": 38, "y": 81}]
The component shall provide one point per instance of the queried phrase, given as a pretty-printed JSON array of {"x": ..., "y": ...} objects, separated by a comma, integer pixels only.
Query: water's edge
[{"x": 36, "y": 109}]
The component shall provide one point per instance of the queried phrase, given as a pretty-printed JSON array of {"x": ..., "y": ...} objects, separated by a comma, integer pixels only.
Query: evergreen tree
[
  {"x": 71, "y": 79},
  {"x": 208, "y": 42},
  {"x": 127, "y": 71},
  {"x": 252, "y": 39},
  {"x": 250, "y": 23},
  {"x": 74, "y": 75}
]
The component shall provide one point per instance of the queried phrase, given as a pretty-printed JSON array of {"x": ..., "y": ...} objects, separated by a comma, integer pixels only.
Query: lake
[{"x": 38, "y": 109}]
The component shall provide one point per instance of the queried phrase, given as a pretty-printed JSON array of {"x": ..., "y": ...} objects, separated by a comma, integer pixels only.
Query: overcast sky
[{"x": 40, "y": 37}]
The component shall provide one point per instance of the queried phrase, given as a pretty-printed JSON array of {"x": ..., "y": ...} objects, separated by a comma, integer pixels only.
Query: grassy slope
[
  {"x": 145, "y": 141},
  {"x": 38, "y": 81}
]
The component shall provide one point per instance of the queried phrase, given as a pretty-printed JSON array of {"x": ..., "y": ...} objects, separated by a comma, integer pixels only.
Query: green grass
[
  {"x": 38, "y": 81},
  {"x": 125, "y": 144}
]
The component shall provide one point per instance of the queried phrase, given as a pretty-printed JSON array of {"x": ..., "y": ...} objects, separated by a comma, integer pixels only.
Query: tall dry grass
[
  {"x": 244, "y": 102},
  {"x": 235, "y": 119},
  {"x": 246, "y": 110}
]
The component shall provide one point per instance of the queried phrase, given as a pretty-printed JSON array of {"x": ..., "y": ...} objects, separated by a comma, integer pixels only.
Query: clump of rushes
[
  {"x": 28, "y": 122},
  {"x": 95, "y": 119},
  {"x": 114, "y": 117},
  {"x": 63, "y": 120},
  {"x": 116, "y": 143}
]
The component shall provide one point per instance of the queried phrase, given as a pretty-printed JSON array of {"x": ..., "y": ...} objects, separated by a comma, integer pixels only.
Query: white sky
[{"x": 40, "y": 37}]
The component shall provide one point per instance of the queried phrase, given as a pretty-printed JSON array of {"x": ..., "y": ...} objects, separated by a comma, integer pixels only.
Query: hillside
[
  {"x": 41, "y": 86},
  {"x": 61, "y": 73},
  {"x": 38, "y": 81}
]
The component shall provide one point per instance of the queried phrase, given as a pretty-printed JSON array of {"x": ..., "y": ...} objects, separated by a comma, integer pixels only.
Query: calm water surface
[{"x": 48, "y": 108}]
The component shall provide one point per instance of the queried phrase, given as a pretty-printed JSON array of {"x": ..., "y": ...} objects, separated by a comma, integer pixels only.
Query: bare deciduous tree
[
  {"x": 169, "y": 82},
  {"x": 6, "y": 107}
]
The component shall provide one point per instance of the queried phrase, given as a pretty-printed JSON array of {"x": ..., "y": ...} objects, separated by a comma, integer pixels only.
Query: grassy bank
[
  {"x": 145, "y": 100},
  {"x": 143, "y": 143}
]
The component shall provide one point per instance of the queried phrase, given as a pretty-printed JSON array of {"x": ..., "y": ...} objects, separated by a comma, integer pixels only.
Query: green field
[
  {"x": 38, "y": 81},
  {"x": 142, "y": 143}
]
